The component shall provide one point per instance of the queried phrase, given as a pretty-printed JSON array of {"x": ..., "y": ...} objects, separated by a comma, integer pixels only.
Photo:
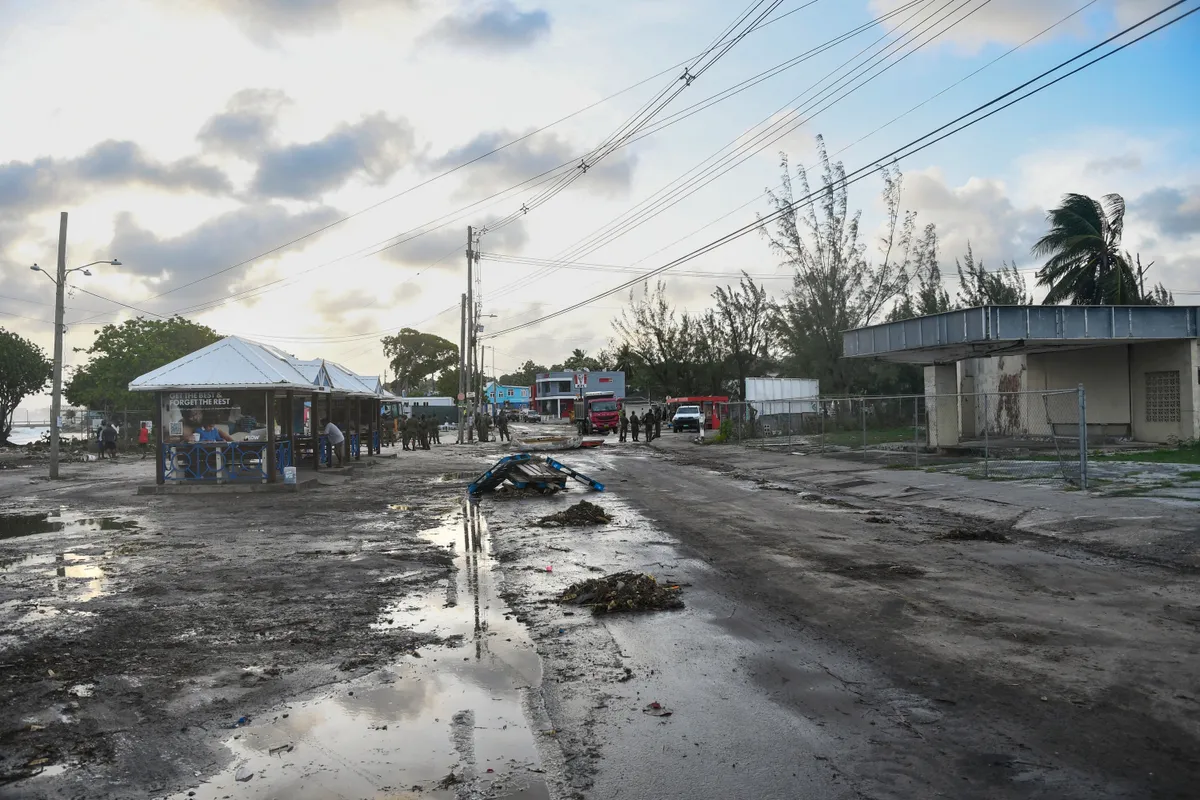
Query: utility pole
[
  {"x": 470, "y": 323},
  {"x": 56, "y": 391},
  {"x": 462, "y": 369}
]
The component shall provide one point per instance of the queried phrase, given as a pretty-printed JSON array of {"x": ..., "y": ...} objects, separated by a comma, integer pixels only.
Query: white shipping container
[{"x": 783, "y": 395}]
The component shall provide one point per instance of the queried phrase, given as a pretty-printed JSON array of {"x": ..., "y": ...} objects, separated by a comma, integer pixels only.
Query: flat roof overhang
[{"x": 1009, "y": 330}]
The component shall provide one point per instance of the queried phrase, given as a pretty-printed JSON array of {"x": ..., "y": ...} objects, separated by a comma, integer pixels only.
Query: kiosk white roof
[{"x": 232, "y": 363}]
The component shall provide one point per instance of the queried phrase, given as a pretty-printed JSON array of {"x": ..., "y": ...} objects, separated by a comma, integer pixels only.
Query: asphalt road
[{"x": 848, "y": 633}]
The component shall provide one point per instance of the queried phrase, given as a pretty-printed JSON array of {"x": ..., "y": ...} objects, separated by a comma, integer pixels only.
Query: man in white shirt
[{"x": 336, "y": 438}]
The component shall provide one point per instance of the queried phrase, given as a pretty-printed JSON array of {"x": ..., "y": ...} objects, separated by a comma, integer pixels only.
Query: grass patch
[
  {"x": 1184, "y": 454},
  {"x": 855, "y": 438}
]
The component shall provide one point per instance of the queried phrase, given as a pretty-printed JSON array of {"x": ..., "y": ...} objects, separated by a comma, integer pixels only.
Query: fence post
[
  {"x": 1083, "y": 454},
  {"x": 862, "y": 404},
  {"x": 986, "y": 417},
  {"x": 916, "y": 432},
  {"x": 821, "y": 412}
]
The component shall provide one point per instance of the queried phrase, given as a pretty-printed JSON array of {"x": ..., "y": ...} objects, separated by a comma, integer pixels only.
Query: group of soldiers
[
  {"x": 417, "y": 432},
  {"x": 650, "y": 422}
]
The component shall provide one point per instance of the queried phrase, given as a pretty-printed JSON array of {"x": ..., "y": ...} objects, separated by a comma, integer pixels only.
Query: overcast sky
[{"x": 187, "y": 137}]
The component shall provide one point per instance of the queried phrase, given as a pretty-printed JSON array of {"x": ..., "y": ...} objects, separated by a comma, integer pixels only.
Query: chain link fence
[{"x": 996, "y": 435}]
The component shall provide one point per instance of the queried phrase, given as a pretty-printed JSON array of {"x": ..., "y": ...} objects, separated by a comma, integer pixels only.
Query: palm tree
[{"x": 1084, "y": 263}]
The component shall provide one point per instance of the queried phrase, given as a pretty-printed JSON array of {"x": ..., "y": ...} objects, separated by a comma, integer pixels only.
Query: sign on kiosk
[{"x": 185, "y": 400}]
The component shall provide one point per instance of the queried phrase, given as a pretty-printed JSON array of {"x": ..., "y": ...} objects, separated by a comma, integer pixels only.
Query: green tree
[
  {"x": 123, "y": 352},
  {"x": 525, "y": 376},
  {"x": 446, "y": 384},
  {"x": 743, "y": 325},
  {"x": 24, "y": 370},
  {"x": 928, "y": 296},
  {"x": 1084, "y": 263},
  {"x": 579, "y": 359},
  {"x": 416, "y": 357},
  {"x": 836, "y": 286},
  {"x": 979, "y": 287}
]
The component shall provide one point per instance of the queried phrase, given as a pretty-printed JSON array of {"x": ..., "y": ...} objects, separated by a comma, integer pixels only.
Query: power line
[
  {"x": 22, "y": 316},
  {"x": 668, "y": 197},
  {"x": 902, "y": 152},
  {"x": 568, "y": 168},
  {"x": 759, "y": 26},
  {"x": 843, "y": 149}
]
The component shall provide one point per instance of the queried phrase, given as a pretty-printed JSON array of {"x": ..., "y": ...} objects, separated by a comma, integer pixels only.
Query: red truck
[{"x": 601, "y": 413}]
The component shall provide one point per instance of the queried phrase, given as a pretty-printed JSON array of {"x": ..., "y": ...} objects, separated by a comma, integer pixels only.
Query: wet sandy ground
[{"x": 381, "y": 639}]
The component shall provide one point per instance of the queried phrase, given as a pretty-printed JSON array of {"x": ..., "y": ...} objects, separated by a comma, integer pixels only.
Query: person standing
[
  {"x": 406, "y": 433},
  {"x": 435, "y": 428},
  {"x": 634, "y": 424},
  {"x": 108, "y": 436},
  {"x": 658, "y": 418},
  {"x": 624, "y": 424},
  {"x": 648, "y": 424},
  {"x": 423, "y": 432},
  {"x": 502, "y": 426},
  {"x": 144, "y": 440},
  {"x": 335, "y": 437}
]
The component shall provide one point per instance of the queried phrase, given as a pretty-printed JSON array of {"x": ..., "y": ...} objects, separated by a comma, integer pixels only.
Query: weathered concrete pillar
[
  {"x": 1164, "y": 390},
  {"x": 941, "y": 404}
]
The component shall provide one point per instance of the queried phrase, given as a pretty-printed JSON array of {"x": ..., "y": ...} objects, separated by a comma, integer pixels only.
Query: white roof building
[{"x": 230, "y": 363}]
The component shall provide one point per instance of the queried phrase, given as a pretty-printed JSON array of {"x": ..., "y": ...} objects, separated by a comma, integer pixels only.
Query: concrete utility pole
[
  {"x": 56, "y": 391},
  {"x": 462, "y": 369},
  {"x": 60, "y": 288},
  {"x": 470, "y": 384}
]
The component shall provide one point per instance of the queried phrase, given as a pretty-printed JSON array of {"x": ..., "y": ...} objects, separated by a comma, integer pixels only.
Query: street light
[{"x": 60, "y": 284}]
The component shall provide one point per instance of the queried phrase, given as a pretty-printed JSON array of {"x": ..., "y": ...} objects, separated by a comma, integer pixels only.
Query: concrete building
[
  {"x": 1139, "y": 366},
  {"x": 554, "y": 393},
  {"x": 499, "y": 395}
]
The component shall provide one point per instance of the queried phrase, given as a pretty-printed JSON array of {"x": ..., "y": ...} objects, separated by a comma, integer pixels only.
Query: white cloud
[
  {"x": 1012, "y": 22},
  {"x": 496, "y": 26},
  {"x": 542, "y": 153}
]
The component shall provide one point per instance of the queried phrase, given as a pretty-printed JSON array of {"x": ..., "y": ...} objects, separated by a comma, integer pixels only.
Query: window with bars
[{"x": 1162, "y": 396}]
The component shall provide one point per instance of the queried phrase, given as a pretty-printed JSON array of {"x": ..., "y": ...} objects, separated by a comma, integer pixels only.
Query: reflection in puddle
[
  {"x": 77, "y": 577},
  {"x": 15, "y": 525},
  {"x": 402, "y": 731}
]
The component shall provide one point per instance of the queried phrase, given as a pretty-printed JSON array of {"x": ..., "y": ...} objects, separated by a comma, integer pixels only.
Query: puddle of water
[
  {"x": 16, "y": 525},
  {"x": 75, "y": 576},
  {"x": 400, "y": 732}
]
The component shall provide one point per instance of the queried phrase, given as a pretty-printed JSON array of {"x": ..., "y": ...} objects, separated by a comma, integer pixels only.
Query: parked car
[
  {"x": 687, "y": 418},
  {"x": 529, "y": 415}
]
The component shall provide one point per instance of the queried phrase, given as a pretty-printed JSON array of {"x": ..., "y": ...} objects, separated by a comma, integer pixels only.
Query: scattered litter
[
  {"x": 582, "y": 513},
  {"x": 240, "y": 722},
  {"x": 281, "y": 748},
  {"x": 549, "y": 568},
  {"x": 657, "y": 709},
  {"x": 243, "y": 774},
  {"x": 449, "y": 780},
  {"x": 622, "y": 591},
  {"x": 969, "y": 535}
]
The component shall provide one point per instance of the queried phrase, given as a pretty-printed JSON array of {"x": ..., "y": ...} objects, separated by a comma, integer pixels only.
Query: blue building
[{"x": 498, "y": 395}]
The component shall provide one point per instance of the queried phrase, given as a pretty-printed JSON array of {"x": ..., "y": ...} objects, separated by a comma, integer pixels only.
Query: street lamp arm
[{"x": 114, "y": 262}]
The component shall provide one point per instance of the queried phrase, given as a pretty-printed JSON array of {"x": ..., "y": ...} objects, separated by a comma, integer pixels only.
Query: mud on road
[{"x": 137, "y": 632}]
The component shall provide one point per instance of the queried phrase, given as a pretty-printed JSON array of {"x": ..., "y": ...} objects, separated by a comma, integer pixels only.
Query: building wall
[
  {"x": 562, "y": 384},
  {"x": 1154, "y": 362}
]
